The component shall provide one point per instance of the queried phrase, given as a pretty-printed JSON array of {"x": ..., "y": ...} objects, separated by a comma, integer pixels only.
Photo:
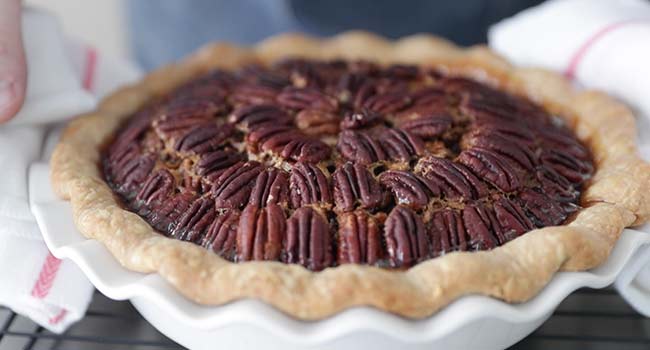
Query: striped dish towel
[{"x": 65, "y": 79}]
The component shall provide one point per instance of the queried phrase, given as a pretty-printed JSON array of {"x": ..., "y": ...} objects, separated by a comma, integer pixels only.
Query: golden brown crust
[{"x": 618, "y": 197}]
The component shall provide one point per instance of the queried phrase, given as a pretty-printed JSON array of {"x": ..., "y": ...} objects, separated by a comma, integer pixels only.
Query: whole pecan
[
  {"x": 204, "y": 138},
  {"x": 447, "y": 232},
  {"x": 221, "y": 236},
  {"x": 540, "y": 209},
  {"x": 158, "y": 186},
  {"x": 411, "y": 190},
  {"x": 308, "y": 240},
  {"x": 405, "y": 236},
  {"x": 493, "y": 167},
  {"x": 359, "y": 238},
  {"x": 400, "y": 145},
  {"x": 307, "y": 185},
  {"x": 260, "y": 233},
  {"x": 480, "y": 225},
  {"x": 512, "y": 219},
  {"x": 306, "y": 98},
  {"x": 232, "y": 188},
  {"x": 316, "y": 122},
  {"x": 360, "y": 147},
  {"x": 454, "y": 180},
  {"x": 195, "y": 220},
  {"x": 271, "y": 187},
  {"x": 253, "y": 117},
  {"x": 213, "y": 163},
  {"x": 353, "y": 185}
]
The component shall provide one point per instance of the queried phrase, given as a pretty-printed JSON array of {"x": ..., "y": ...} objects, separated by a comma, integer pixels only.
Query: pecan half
[
  {"x": 540, "y": 209},
  {"x": 447, "y": 232},
  {"x": 165, "y": 214},
  {"x": 204, "y": 138},
  {"x": 260, "y": 233},
  {"x": 253, "y": 94},
  {"x": 221, "y": 236},
  {"x": 181, "y": 115},
  {"x": 493, "y": 167},
  {"x": 306, "y": 98},
  {"x": 359, "y": 238},
  {"x": 454, "y": 180},
  {"x": 573, "y": 169},
  {"x": 307, "y": 185},
  {"x": 480, "y": 225},
  {"x": 214, "y": 163},
  {"x": 512, "y": 219},
  {"x": 388, "y": 103},
  {"x": 353, "y": 185},
  {"x": 232, "y": 188},
  {"x": 158, "y": 186},
  {"x": 400, "y": 145},
  {"x": 518, "y": 153},
  {"x": 253, "y": 117},
  {"x": 316, "y": 122},
  {"x": 195, "y": 220},
  {"x": 132, "y": 168},
  {"x": 305, "y": 149},
  {"x": 359, "y": 147},
  {"x": 411, "y": 190},
  {"x": 271, "y": 187},
  {"x": 427, "y": 126},
  {"x": 308, "y": 240},
  {"x": 405, "y": 236},
  {"x": 555, "y": 185}
]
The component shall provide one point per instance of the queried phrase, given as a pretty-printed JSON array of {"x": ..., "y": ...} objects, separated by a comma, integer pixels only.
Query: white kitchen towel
[
  {"x": 603, "y": 45},
  {"x": 65, "y": 79}
]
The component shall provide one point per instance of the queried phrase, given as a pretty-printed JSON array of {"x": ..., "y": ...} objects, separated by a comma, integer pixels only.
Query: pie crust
[{"x": 617, "y": 197}]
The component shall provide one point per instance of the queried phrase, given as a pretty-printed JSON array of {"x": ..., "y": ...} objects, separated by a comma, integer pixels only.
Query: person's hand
[{"x": 13, "y": 70}]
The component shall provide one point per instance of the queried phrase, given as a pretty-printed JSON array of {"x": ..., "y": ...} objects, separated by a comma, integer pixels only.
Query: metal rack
[{"x": 587, "y": 319}]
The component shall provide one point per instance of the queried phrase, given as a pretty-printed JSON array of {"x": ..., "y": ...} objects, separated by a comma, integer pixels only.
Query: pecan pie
[{"x": 319, "y": 175}]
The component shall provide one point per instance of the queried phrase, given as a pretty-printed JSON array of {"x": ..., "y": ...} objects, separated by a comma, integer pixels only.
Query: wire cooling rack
[{"x": 587, "y": 319}]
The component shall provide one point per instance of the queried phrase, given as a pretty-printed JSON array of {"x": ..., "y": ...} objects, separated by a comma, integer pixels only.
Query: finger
[{"x": 13, "y": 70}]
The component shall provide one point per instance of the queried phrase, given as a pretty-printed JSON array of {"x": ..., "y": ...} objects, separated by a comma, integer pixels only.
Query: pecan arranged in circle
[
  {"x": 233, "y": 186},
  {"x": 359, "y": 238},
  {"x": 317, "y": 122},
  {"x": 540, "y": 209},
  {"x": 195, "y": 220},
  {"x": 480, "y": 224},
  {"x": 411, "y": 190},
  {"x": 204, "y": 138},
  {"x": 447, "y": 232},
  {"x": 253, "y": 117},
  {"x": 306, "y": 98},
  {"x": 454, "y": 180},
  {"x": 405, "y": 235},
  {"x": 308, "y": 241},
  {"x": 253, "y": 94},
  {"x": 496, "y": 169},
  {"x": 157, "y": 187},
  {"x": 360, "y": 119},
  {"x": 222, "y": 234},
  {"x": 427, "y": 126},
  {"x": 360, "y": 147},
  {"x": 400, "y": 145},
  {"x": 290, "y": 143},
  {"x": 212, "y": 164},
  {"x": 163, "y": 215},
  {"x": 271, "y": 187},
  {"x": 260, "y": 233},
  {"x": 353, "y": 184},
  {"x": 512, "y": 219},
  {"x": 308, "y": 185}
]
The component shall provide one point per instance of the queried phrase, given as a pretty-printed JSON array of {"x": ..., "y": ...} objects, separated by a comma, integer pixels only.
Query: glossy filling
[{"x": 325, "y": 163}]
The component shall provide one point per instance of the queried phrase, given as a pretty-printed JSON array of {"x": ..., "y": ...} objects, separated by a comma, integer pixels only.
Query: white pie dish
[{"x": 469, "y": 322}]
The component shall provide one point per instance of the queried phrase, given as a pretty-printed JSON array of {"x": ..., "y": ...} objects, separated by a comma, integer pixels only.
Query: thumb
[{"x": 13, "y": 70}]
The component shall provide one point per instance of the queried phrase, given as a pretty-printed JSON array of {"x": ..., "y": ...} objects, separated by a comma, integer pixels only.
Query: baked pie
[{"x": 318, "y": 175}]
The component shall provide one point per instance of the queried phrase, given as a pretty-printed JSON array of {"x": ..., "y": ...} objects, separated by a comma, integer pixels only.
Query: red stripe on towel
[
  {"x": 46, "y": 277},
  {"x": 579, "y": 55},
  {"x": 88, "y": 81}
]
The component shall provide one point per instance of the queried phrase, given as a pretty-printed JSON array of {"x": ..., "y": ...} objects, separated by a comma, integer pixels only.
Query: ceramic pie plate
[{"x": 469, "y": 322}]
